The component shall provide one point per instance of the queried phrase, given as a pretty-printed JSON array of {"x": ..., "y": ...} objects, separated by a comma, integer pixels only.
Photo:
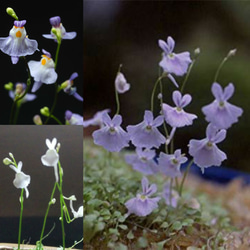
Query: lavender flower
[
  {"x": 19, "y": 90},
  {"x": 121, "y": 83},
  {"x": 17, "y": 43},
  {"x": 176, "y": 116},
  {"x": 220, "y": 112},
  {"x": 146, "y": 134},
  {"x": 171, "y": 62},
  {"x": 96, "y": 120},
  {"x": 142, "y": 204},
  {"x": 42, "y": 71},
  {"x": 205, "y": 151},
  {"x": 58, "y": 32},
  {"x": 170, "y": 164},
  {"x": 170, "y": 195},
  {"x": 67, "y": 87},
  {"x": 73, "y": 119},
  {"x": 143, "y": 161},
  {"x": 111, "y": 136}
]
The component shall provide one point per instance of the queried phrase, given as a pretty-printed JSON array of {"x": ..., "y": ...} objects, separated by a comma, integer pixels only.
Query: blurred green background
[{"x": 127, "y": 32}]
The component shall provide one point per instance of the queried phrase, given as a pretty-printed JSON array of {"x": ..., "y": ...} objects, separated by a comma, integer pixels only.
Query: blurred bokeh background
[
  {"x": 37, "y": 17},
  {"x": 127, "y": 32}
]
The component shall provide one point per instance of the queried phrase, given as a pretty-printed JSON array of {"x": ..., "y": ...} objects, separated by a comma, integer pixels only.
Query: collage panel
[{"x": 46, "y": 163}]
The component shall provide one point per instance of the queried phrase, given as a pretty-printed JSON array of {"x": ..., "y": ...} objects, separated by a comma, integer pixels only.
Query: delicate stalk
[
  {"x": 184, "y": 176},
  {"x": 117, "y": 102},
  {"x": 187, "y": 75},
  {"x": 153, "y": 92},
  {"x": 20, "y": 220},
  {"x": 46, "y": 214}
]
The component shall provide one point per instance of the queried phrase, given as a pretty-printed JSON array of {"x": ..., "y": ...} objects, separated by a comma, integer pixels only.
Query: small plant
[{"x": 118, "y": 213}]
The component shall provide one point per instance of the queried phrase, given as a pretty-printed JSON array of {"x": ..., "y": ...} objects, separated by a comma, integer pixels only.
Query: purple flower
[
  {"x": 42, "y": 71},
  {"x": 171, "y": 198},
  {"x": 170, "y": 164},
  {"x": 146, "y": 134},
  {"x": 171, "y": 62},
  {"x": 19, "y": 90},
  {"x": 17, "y": 43},
  {"x": 121, "y": 83},
  {"x": 58, "y": 31},
  {"x": 220, "y": 112},
  {"x": 143, "y": 161},
  {"x": 96, "y": 120},
  {"x": 73, "y": 119},
  {"x": 142, "y": 204},
  {"x": 111, "y": 136},
  {"x": 205, "y": 152},
  {"x": 176, "y": 116},
  {"x": 71, "y": 90}
]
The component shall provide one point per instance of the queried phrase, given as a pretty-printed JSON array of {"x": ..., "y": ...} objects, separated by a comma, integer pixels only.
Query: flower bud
[
  {"x": 45, "y": 111},
  {"x": 7, "y": 161},
  {"x": 12, "y": 13},
  {"x": 19, "y": 89},
  {"x": 37, "y": 120},
  {"x": 11, "y": 155},
  {"x": 231, "y": 53},
  {"x": 52, "y": 202},
  {"x": 58, "y": 147},
  {"x": 197, "y": 51},
  {"x": 8, "y": 86}
]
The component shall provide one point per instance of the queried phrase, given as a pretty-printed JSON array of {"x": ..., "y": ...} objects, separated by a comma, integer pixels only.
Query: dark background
[
  {"x": 127, "y": 32},
  {"x": 37, "y": 15},
  {"x": 27, "y": 143}
]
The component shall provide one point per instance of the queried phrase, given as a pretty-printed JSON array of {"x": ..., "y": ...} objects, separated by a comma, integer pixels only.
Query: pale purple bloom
[
  {"x": 96, "y": 120},
  {"x": 176, "y": 116},
  {"x": 220, "y": 112},
  {"x": 73, "y": 119},
  {"x": 170, "y": 164},
  {"x": 121, "y": 83},
  {"x": 60, "y": 30},
  {"x": 171, "y": 198},
  {"x": 171, "y": 62},
  {"x": 143, "y": 161},
  {"x": 20, "y": 88},
  {"x": 111, "y": 136},
  {"x": 43, "y": 71},
  {"x": 69, "y": 89},
  {"x": 142, "y": 204},
  {"x": 205, "y": 152},
  {"x": 146, "y": 134},
  {"x": 17, "y": 43}
]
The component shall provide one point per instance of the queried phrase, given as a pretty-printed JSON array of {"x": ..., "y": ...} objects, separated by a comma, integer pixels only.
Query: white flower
[
  {"x": 79, "y": 212},
  {"x": 51, "y": 158},
  {"x": 21, "y": 180},
  {"x": 121, "y": 83}
]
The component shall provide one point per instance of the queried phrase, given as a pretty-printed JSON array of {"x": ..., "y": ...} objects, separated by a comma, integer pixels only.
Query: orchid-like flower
[
  {"x": 19, "y": 90},
  {"x": 51, "y": 158},
  {"x": 79, "y": 212},
  {"x": 171, "y": 62},
  {"x": 121, "y": 83},
  {"x": 146, "y": 134},
  {"x": 176, "y": 116},
  {"x": 43, "y": 71},
  {"x": 96, "y": 120},
  {"x": 69, "y": 89},
  {"x": 220, "y": 112},
  {"x": 58, "y": 32},
  {"x": 142, "y": 204},
  {"x": 21, "y": 180},
  {"x": 17, "y": 43},
  {"x": 73, "y": 119},
  {"x": 170, "y": 195},
  {"x": 111, "y": 136},
  {"x": 205, "y": 151}
]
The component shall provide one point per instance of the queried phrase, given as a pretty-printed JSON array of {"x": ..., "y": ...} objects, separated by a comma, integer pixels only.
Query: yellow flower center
[
  {"x": 44, "y": 60},
  {"x": 18, "y": 33}
]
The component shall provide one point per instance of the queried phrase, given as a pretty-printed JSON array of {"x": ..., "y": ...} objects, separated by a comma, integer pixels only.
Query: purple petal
[
  {"x": 186, "y": 99},
  {"x": 171, "y": 44},
  {"x": 171, "y": 78},
  {"x": 69, "y": 35},
  {"x": 148, "y": 117},
  {"x": 220, "y": 136},
  {"x": 177, "y": 98},
  {"x": 14, "y": 59},
  {"x": 117, "y": 120},
  {"x": 217, "y": 91},
  {"x": 36, "y": 86},
  {"x": 228, "y": 91},
  {"x": 164, "y": 46},
  {"x": 158, "y": 121},
  {"x": 73, "y": 76},
  {"x": 144, "y": 184},
  {"x": 106, "y": 119},
  {"x": 78, "y": 97},
  {"x": 20, "y": 24},
  {"x": 55, "y": 21}
]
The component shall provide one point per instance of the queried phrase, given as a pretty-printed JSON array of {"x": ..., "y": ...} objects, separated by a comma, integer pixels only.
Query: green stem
[
  {"x": 185, "y": 175},
  {"x": 56, "y": 85},
  {"x": 20, "y": 220},
  {"x": 219, "y": 68},
  {"x": 153, "y": 92},
  {"x": 46, "y": 214},
  {"x": 117, "y": 102}
]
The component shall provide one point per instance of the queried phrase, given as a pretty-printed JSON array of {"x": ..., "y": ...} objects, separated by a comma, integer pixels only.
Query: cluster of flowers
[
  {"x": 49, "y": 159},
  {"x": 17, "y": 45},
  {"x": 146, "y": 137}
]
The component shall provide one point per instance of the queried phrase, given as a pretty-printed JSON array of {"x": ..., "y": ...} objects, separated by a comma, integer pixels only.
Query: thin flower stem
[
  {"x": 219, "y": 68},
  {"x": 184, "y": 176},
  {"x": 20, "y": 220},
  {"x": 46, "y": 214},
  {"x": 56, "y": 85},
  {"x": 153, "y": 92},
  {"x": 117, "y": 102}
]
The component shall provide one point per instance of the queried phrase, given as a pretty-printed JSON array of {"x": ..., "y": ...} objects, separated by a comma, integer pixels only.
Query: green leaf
[
  {"x": 142, "y": 242},
  {"x": 123, "y": 227},
  {"x": 177, "y": 226},
  {"x": 130, "y": 235}
]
